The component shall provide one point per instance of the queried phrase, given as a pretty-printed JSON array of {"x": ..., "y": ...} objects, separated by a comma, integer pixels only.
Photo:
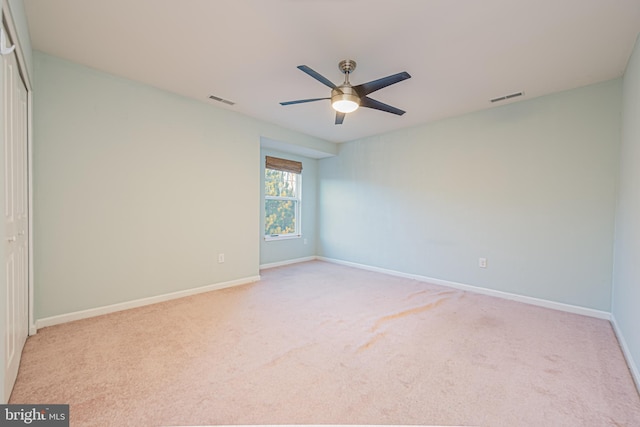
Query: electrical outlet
[
  {"x": 482, "y": 262},
  {"x": 220, "y": 258},
  {"x": 305, "y": 241}
]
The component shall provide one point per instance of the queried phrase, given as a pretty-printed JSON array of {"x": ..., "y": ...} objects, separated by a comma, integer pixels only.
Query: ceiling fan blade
[
  {"x": 319, "y": 77},
  {"x": 339, "y": 117},
  {"x": 377, "y": 105},
  {"x": 374, "y": 85},
  {"x": 300, "y": 101}
]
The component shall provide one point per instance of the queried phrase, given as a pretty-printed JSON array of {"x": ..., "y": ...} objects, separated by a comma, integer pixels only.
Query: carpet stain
[
  {"x": 415, "y": 294},
  {"x": 430, "y": 293},
  {"x": 405, "y": 313},
  {"x": 395, "y": 316},
  {"x": 372, "y": 341},
  {"x": 277, "y": 359}
]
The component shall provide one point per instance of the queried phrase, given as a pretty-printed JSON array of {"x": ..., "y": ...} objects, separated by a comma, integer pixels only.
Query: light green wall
[
  {"x": 531, "y": 186},
  {"x": 283, "y": 250},
  {"x": 137, "y": 190},
  {"x": 626, "y": 277}
]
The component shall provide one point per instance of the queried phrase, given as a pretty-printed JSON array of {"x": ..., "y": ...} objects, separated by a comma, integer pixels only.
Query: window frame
[{"x": 297, "y": 203}]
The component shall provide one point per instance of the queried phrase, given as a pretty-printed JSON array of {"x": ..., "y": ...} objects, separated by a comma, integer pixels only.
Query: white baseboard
[
  {"x": 478, "y": 290},
  {"x": 287, "y": 262},
  {"x": 98, "y": 311},
  {"x": 54, "y": 320},
  {"x": 635, "y": 373}
]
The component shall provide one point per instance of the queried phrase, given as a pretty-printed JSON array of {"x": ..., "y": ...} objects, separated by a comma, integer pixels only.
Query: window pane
[
  {"x": 280, "y": 217},
  {"x": 280, "y": 184}
]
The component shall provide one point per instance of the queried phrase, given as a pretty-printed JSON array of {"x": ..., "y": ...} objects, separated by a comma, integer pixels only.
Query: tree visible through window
[{"x": 282, "y": 203}]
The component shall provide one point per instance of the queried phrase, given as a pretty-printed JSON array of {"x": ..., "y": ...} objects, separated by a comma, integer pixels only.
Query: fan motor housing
[{"x": 345, "y": 94}]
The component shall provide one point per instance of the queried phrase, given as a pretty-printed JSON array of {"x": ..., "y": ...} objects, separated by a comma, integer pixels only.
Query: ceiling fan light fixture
[
  {"x": 345, "y": 105},
  {"x": 344, "y": 100}
]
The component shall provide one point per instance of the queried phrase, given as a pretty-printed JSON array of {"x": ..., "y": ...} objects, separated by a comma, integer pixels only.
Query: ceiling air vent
[
  {"x": 224, "y": 101},
  {"x": 504, "y": 98}
]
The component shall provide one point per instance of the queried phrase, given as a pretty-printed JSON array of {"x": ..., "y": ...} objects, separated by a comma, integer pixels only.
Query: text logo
[{"x": 34, "y": 415}]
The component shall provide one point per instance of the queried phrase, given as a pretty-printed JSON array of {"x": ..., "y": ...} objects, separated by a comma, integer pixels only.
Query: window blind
[{"x": 283, "y": 165}]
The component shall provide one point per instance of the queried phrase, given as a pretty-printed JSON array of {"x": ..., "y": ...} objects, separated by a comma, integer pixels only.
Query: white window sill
[{"x": 282, "y": 237}]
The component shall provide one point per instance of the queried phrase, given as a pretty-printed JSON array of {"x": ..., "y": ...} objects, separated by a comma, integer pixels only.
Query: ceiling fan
[{"x": 347, "y": 98}]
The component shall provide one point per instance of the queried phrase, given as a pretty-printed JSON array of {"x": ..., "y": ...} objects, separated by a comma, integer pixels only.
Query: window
[{"x": 282, "y": 194}]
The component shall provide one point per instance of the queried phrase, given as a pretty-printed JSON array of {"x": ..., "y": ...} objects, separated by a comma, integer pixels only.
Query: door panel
[{"x": 16, "y": 219}]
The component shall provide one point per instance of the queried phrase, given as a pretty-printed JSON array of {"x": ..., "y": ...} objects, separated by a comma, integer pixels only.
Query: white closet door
[{"x": 16, "y": 217}]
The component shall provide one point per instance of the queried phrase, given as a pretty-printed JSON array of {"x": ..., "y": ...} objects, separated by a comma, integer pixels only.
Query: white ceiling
[{"x": 460, "y": 53}]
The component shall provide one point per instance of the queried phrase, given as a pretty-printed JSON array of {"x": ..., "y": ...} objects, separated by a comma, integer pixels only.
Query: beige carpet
[{"x": 318, "y": 343}]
